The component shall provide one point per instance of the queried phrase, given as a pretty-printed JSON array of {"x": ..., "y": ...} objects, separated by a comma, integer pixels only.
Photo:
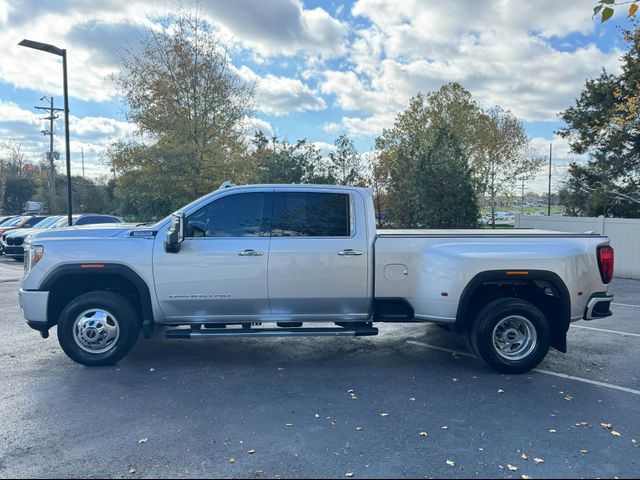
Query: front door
[{"x": 220, "y": 272}]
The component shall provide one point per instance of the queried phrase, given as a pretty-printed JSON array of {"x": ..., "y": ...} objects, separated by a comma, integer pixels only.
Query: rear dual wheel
[{"x": 511, "y": 335}]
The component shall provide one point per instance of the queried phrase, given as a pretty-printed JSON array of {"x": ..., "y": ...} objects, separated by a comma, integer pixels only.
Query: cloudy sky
[{"x": 321, "y": 68}]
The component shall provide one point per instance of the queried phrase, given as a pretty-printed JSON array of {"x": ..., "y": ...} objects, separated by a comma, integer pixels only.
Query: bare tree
[{"x": 506, "y": 155}]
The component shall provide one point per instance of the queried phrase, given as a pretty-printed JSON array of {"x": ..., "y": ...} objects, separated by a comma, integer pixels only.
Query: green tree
[
  {"x": 446, "y": 194},
  {"x": 604, "y": 123},
  {"x": 190, "y": 105},
  {"x": 346, "y": 165},
  {"x": 402, "y": 151},
  {"x": 279, "y": 161},
  {"x": 18, "y": 190}
]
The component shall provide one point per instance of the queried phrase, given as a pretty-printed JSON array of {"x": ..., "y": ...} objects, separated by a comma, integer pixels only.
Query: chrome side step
[{"x": 272, "y": 332}]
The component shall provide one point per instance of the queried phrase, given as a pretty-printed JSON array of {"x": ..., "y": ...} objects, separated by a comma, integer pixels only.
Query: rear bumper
[
  {"x": 34, "y": 307},
  {"x": 598, "y": 306}
]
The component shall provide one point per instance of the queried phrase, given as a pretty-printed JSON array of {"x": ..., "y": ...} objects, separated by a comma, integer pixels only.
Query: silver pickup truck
[{"x": 288, "y": 260}]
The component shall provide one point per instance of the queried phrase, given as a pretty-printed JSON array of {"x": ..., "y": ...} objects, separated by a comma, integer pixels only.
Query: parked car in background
[
  {"x": 23, "y": 221},
  {"x": 12, "y": 241},
  {"x": 7, "y": 218}
]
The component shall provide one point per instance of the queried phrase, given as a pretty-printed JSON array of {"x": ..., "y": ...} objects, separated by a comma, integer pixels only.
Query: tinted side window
[
  {"x": 302, "y": 214},
  {"x": 239, "y": 215}
]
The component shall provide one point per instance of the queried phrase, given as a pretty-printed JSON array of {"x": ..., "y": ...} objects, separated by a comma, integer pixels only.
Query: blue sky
[{"x": 321, "y": 68}]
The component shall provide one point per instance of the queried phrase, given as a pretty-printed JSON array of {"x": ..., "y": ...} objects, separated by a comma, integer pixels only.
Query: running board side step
[{"x": 272, "y": 332}]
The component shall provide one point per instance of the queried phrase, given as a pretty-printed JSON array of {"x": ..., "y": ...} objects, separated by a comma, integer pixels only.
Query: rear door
[{"x": 318, "y": 260}]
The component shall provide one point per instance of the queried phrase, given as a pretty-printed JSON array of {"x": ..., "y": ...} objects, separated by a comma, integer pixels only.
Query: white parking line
[
  {"x": 538, "y": 370},
  {"x": 605, "y": 330},
  {"x": 625, "y": 305}
]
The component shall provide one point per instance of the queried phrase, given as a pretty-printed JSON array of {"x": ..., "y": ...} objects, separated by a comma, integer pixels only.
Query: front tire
[
  {"x": 98, "y": 328},
  {"x": 511, "y": 335}
]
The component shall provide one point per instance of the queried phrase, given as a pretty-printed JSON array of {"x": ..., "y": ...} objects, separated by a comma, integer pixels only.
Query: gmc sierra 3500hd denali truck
[{"x": 292, "y": 256}]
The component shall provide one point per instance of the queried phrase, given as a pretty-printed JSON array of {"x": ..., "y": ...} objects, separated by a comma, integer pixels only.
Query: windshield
[
  {"x": 45, "y": 222},
  {"x": 11, "y": 223}
]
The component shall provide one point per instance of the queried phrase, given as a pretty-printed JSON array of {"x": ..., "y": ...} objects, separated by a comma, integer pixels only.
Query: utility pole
[
  {"x": 549, "y": 206},
  {"x": 82, "y": 152},
  {"x": 52, "y": 173}
]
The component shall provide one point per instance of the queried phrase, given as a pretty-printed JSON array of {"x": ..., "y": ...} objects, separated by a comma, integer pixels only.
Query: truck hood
[{"x": 90, "y": 231}]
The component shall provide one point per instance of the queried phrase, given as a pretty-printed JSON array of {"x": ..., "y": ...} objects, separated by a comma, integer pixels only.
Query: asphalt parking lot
[{"x": 410, "y": 402}]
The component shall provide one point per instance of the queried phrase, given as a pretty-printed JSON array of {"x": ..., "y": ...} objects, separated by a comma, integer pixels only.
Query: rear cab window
[{"x": 312, "y": 214}]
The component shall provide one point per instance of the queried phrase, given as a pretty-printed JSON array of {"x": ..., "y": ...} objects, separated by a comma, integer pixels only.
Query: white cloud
[
  {"x": 279, "y": 27},
  {"x": 503, "y": 52},
  {"x": 281, "y": 95}
]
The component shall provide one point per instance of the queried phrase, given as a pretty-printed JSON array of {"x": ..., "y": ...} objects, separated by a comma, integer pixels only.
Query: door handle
[
  {"x": 250, "y": 253},
  {"x": 350, "y": 252}
]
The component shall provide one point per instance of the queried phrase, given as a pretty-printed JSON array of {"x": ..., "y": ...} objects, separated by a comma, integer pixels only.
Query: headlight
[{"x": 32, "y": 256}]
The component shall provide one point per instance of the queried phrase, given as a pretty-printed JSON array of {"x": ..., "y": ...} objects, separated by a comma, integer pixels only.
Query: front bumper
[
  {"x": 34, "y": 307},
  {"x": 598, "y": 306},
  {"x": 14, "y": 251}
]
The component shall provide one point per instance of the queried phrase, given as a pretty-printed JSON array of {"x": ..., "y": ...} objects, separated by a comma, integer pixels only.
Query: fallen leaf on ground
[
  {"x": 359, "y": 428},
  {"x": 512, "y": 468},
  {"x": 423, "y": 434},
  {"x": 288, "y": 424},
  {"x": 384, "y": 414},
  {"x": 455, "y": 379},
  {"x": 451, "y": 463},
  {"x": 317, "y": 416},
  {"x": 231, "y": 460},
  {"x": 152, "y": 369},
  {"x": 614, "y": 433},
  {"x": 481, "y": 449},
  {"x": 606, "y": 426},
  {"x": 568, "y": 398},
  {"x": 143, "y": 440},
  {"x": 350, "y": 391},
  {"x": 500, "y": 390},
  {"x": 524, "y": 456},
  {"x": 132, "y": 470},
  {"x": 524, "y": 477},
  {"x": 348, "y": 474},
  {"x": 538, "y": 460},
  {"x": 582, "y": 450},
  {"x": 251, "y": 451},
  {"x": 413, "y": 399},
  {"x": 552, "y": 430}
]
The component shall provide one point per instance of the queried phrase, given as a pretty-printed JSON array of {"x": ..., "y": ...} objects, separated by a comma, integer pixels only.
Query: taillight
[{"x": 605, "y": 262}]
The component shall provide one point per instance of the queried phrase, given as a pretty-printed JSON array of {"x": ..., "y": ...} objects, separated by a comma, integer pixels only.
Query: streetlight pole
[{"x": 45, "y": 47}]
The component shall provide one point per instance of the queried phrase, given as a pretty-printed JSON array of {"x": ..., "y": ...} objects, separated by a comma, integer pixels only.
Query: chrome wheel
[
  {"x": 514, "y": 337},
  {"x": 96, "y": 331}
]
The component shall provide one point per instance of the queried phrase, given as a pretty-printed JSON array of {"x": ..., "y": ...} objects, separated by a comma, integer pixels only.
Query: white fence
[{"x": 624, "y": 234}]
